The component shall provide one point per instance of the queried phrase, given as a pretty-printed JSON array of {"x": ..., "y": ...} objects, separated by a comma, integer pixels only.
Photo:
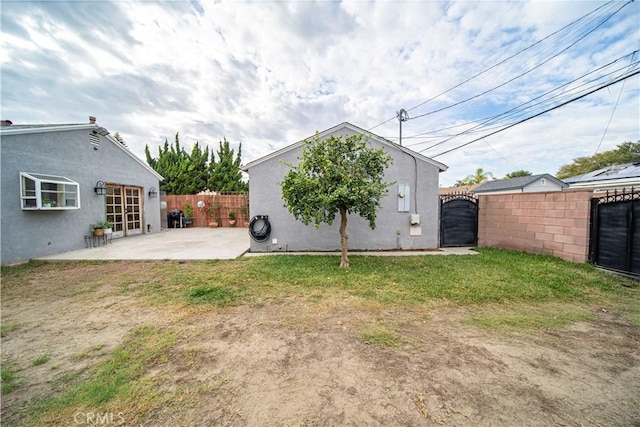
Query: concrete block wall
[{"x": 555, "y": 223}]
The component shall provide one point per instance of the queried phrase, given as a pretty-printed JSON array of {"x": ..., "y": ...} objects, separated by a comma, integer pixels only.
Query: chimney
[
  {"x": 92, "y": 120},
  {"x": 6, "y": 123}
]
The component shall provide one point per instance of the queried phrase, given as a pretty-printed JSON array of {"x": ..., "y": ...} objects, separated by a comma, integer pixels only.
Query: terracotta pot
[
  {"x": 98, "y": 232},
  {"x": 213, "y": 224}
]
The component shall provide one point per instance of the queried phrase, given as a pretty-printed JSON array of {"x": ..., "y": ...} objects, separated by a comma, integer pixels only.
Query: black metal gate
[
  {"x": 458, "y": 220},
  {"x": 615, "y": 232}
]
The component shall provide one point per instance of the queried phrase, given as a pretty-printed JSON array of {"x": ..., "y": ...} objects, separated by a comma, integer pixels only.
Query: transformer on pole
[{"x": 402, "y": 116}]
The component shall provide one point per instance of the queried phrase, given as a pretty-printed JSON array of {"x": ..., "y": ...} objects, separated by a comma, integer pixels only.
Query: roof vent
[{"x": 94, "y": 138}]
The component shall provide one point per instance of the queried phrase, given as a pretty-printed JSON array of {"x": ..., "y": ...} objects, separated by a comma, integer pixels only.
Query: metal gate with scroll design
[
  {"x": 458, "y": 220},
  {"x": 615, "y": 231}
]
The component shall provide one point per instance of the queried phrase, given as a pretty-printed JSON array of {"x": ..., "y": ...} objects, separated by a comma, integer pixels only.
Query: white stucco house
[
  {"x": 408, "y": 217},
  {"x": 58, "y": 179}
]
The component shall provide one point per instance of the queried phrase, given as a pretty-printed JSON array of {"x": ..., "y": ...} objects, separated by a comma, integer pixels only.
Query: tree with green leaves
[
  {"x": 120, "y": 139},
  {"x": 627, "y": 152},
  {"x": 225, "y": 174},
  {"x": 336, "y": 175},
  {"x": 191, "y": 173},
  {"x": 477, "y": 178},
  {"x": 517, "y": 174},
  {"x": 183, "y": 173}
]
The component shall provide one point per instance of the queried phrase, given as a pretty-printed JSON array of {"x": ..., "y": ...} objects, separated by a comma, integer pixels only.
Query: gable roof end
[
  {"x": 346, "y": 125},
  {"x": 43, "y": 128}
]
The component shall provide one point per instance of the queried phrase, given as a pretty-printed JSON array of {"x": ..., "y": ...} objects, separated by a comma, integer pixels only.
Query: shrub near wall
[
  {"x": 229, "y": 202},
  {"x": 554, "y": 223}
]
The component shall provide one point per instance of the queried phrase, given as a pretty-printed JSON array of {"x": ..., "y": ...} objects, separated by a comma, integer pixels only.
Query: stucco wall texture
[
  {"x": 555, "y": 223},
  {"x": 392, "y": 227},
  {"x": 29, "y": 234}
]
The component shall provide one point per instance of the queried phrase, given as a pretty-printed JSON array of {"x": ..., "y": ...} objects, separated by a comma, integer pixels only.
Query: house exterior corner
[
  {"x": 412, "y": 175},
  {"x": 33, "y": 226}
]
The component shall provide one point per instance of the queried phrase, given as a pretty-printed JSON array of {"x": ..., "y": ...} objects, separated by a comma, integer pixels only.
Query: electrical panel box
[
  {"x": 415, "y": 219},
  {"x": 404, "y": 198}
]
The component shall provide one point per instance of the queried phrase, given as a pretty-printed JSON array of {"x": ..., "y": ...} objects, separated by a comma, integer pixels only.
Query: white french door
[{"x": 124, "y": 209}]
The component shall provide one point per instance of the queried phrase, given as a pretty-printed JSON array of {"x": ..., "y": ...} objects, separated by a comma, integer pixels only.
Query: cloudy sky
[{"x": 268, "y": 74}]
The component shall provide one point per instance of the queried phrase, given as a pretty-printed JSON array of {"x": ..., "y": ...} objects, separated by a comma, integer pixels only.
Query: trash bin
[{"x": 174, "y": 218}]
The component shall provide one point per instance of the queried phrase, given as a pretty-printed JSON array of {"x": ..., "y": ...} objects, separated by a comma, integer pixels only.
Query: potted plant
[
  {"x": 107, "y": 226},
  {"x": 188, "y": 214},
  {"x": 212, "y": 214},
  {"x": 232, "y": 218},
  {"x": 97, "y": 230},
  {"x": 243, "y": 213}
]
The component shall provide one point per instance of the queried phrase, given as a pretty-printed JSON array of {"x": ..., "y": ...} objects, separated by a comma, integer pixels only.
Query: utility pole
[{"x": 402, "y": 116}]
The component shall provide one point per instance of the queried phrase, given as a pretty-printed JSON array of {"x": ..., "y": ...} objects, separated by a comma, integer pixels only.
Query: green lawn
[
  {"x": 495, "y": 276},
  {"x": 498, "y": 289}
]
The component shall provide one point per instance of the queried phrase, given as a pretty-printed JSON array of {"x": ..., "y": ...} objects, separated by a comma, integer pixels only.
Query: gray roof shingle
[{"x": 515, "y": 183}]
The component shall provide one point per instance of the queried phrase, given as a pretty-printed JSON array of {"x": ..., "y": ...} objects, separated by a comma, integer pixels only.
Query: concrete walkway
[
  {"x": 175, "y": 244},
  {"x": 441, "y": 251},
  {"x": 203, "y": 243}
]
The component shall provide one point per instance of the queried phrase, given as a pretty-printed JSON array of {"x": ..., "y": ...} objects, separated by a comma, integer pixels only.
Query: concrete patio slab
[
  {"x": 171, "y": 244},
  {"x": 203, "y": 244}
]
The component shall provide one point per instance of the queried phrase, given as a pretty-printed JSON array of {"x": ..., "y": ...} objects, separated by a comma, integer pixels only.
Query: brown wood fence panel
[{"x": 218, "y": 205}]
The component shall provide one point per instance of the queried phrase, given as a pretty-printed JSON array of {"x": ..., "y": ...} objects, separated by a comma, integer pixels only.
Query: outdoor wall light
[
  {"x": 153, "y": 193},
  {"x": 100, "y": 131},
  {"x": 100, "y": 189}
]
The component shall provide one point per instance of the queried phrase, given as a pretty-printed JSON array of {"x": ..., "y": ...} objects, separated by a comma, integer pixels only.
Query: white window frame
[{"x": 48, "y": 192}]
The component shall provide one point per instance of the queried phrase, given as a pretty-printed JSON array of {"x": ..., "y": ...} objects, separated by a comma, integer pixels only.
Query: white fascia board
[
  {"x": 8, "y": 130},
  {"x": 609, "y": 183}
]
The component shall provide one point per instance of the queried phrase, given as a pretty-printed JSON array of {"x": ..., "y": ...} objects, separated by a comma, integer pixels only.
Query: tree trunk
[{"x": 344, "y": 260}]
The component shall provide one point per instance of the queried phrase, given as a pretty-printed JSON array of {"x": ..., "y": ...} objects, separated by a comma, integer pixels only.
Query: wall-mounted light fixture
[
  {"x": 153, "y": 193},
  {"x": 100, "y": 189},
  {"x": 100, "y": 131}
]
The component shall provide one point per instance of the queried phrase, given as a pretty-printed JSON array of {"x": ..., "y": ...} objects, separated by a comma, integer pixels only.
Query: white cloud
[{"x": 267, "y": 74}]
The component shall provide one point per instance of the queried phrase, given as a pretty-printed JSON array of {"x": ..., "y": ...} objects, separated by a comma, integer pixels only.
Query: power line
[
  {"x": 614, "y": 109},
  {"x": 539, "y": 114},
  {"x": 518, "y": 110},
  {"x": 526, "y": 72},
  {"x": 501, "y": 62},
  {"x": 488, "y": 119}
]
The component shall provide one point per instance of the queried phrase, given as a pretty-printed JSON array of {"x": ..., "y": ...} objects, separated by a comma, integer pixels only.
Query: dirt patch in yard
[{"x": 300, "y": 362}]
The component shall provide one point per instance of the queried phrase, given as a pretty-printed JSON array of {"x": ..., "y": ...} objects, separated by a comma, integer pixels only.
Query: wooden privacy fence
[{"x": 216, "y": 207}]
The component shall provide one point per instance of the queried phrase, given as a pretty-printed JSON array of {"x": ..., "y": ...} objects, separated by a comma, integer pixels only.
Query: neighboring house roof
[
  {"x": 460, "y": 189},
  {"x": 326, "y": 133},
  {"x": 43, "y": 128},
  {"x": 627, "y": 174},
  {"x": 518, "y": 183}
]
